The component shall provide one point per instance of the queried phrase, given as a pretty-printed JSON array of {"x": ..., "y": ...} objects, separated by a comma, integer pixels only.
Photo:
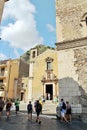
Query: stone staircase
[{"x": 49, "y": 108}]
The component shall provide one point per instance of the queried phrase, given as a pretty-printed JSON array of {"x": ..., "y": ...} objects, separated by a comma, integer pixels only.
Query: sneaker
[
  {"x": 36, "y": 121},
  {"x": 39, "y": 122},
  {"x": 70, "y": 122}
]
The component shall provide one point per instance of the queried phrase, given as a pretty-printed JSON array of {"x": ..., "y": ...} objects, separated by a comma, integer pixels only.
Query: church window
[
  {"x": 49, "y": 65},
  {"x": 49, "y": 61}
]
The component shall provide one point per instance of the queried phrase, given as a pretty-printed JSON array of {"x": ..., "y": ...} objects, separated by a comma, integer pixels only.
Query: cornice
[{"x": 71, "y": 43}]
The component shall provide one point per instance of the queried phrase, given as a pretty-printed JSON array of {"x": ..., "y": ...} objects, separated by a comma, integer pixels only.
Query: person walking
[
  {"x": 8, "y": 108},
  {"x": 68, "y": 111},
  {"x": 17, "y": 102},
  {"x": 63, "y": 111},
  {"x": 29, "y": 110},
  {"x": 38, "y": 111},
  {"x": 1, "y": 106}
]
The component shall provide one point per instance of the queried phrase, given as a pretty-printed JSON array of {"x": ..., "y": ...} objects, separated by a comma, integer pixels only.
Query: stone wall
[
  {"x": 23, "y": 69},
  {"x": 69, "y": 14},
  {"x": 72, "y": 72}
]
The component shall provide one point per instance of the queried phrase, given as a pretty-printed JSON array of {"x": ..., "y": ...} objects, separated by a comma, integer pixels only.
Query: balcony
[
  {"x": 49, "y": 78},
  {"x": 3, "y": 65},
  {"x": 2, "y": 76}
]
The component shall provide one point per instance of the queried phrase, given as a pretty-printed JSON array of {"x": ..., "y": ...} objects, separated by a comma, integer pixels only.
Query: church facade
[{"x": 43, "y": 74}]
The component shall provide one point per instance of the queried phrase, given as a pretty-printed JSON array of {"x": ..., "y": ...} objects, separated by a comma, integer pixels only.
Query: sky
[{"x": 25, "y": 24}]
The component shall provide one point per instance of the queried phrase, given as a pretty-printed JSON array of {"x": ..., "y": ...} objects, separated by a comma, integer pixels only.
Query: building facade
[
  {"x": 71, "y": 29},
  {"x": 43, "y": 74},
  {"x": 23, "y": 74},
  {"x": 41, "y": 79},
  {"x": 8, "y": 78},
  {"x": 2, "y": 2}
]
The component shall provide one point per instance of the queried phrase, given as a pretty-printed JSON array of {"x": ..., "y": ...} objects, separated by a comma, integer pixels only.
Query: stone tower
[
  {"x": 71, "y": 19},
  {"x": 2, "y": 2}
]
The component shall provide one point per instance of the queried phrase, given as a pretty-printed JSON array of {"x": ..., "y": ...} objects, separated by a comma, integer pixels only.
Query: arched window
[
  {"x": 83, "y": 20},
  {"x": 49, "y": 61},
  {"x": 49, "y": 65},
  {"x": 86, "y": 20}
]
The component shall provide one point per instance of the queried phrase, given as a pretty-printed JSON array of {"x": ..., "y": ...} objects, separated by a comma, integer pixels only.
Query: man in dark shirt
[{"x": 38, "y": 111}]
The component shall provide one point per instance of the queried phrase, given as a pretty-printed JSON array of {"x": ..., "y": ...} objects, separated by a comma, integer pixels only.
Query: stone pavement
[
  {"x": 20, "y": 122},
  {"x": 48, "y": 118}
]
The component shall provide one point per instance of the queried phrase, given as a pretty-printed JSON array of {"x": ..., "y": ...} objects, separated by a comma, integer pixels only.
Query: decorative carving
[
  {"x": 49, "y": 59},
  {"x": 50, "y": 78}
]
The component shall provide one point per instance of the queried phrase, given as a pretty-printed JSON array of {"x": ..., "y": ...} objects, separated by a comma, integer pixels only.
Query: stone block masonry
[{"x": 72, "y": 73}]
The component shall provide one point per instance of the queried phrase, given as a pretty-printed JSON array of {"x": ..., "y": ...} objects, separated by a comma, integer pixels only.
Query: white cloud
[
  {"x": 22, "y": 33},
  {"x": 50, "y": 28},
  {"x": 2, "y": 56},
  {"x": 16, "y": 53}
]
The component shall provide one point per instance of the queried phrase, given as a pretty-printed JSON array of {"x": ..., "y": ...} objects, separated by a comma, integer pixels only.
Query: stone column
[{"x": 30, "y": 81}]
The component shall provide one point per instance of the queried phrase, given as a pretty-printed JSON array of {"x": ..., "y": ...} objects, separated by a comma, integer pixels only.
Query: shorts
[
  {"x": 17, "y": 108},
  {"x": 7, "y": 109},
  {"x": 63, "y": 112},
  {"x": 30, "y": 112},
  {"x": 38, "y": 113},
  {"x": 68, "y": 111}
]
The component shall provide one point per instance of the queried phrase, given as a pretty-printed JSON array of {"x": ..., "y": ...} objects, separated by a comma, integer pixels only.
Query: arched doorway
[
  {"x": 49, "y": 91},
  {"x": 22, "y": 96}
]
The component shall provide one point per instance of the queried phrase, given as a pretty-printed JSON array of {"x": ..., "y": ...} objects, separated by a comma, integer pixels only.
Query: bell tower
[{"x": 71, "y": 19}]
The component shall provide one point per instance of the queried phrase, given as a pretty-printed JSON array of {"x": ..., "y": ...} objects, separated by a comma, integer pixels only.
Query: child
[
  {"x": 8, "y": 108},
  {"x": 17, "y": 102},
  {"x": 29, "y": 110}
]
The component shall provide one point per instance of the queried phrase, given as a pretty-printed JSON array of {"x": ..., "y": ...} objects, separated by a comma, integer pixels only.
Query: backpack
[
  {"x": 8, "y": 105},
  {"x": 29, "y": 107},
  {"x": 38, "y": 107},
  {"x": 64, "y": 106}
]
